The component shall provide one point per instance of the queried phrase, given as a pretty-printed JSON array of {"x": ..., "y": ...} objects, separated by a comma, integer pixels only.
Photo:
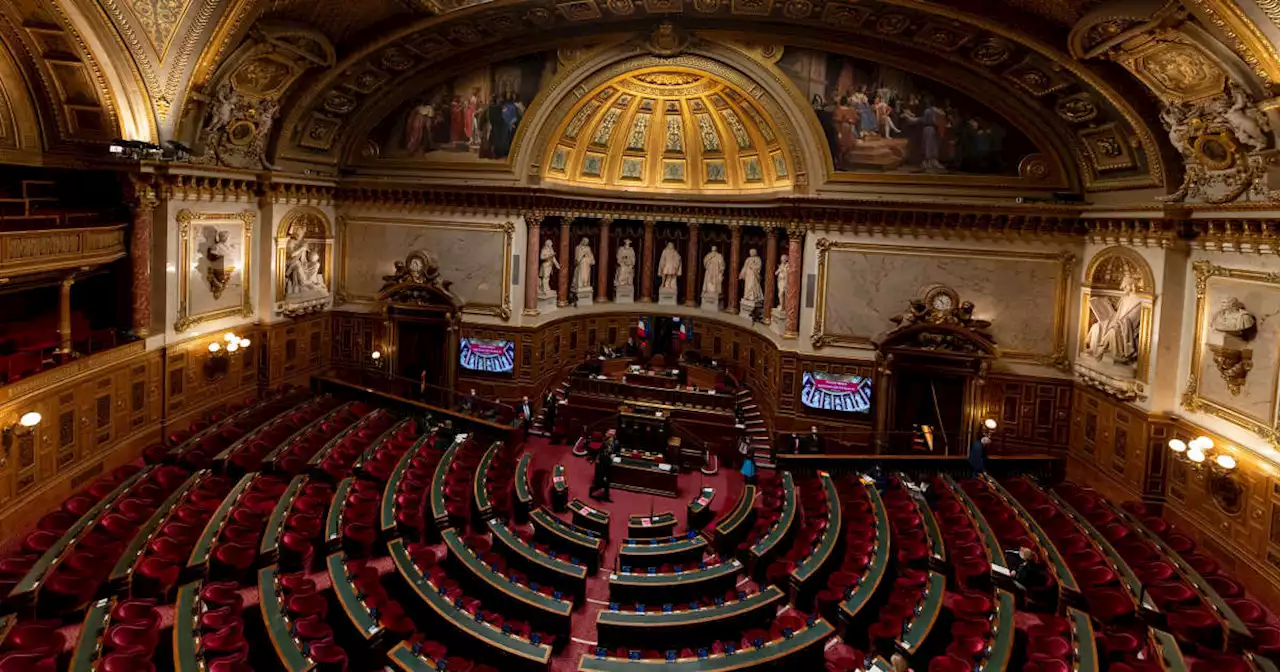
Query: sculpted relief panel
[
  {"x": 1023, "y": 294},
  {"x": 1236, "y": 356},
  {"x": 1116, "y": 309},
  {"x": 474, "y": 257}
]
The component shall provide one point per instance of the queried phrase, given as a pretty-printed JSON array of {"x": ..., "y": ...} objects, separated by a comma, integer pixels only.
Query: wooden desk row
[
  {"x": 378, "y": 415},
  {"x": 699, "y": 509},
  {"x": 577, "y": 542},
  {"x": 735, "y": 524},
  {"x": 589, "y": 517},
  {"x": 687, "y": 627},
  {"x": 288, "y": 649},
  {"x": 995, "y": 554},
  {"x": 855, "y": 610},
  {"x": 1121, "y": 566},
  {"x": 270, "y": 545},
  {"x": 673, "y": 586},
  {"x": 1067, "y": 584},
  {"x": 225, "y": 456},
  {"x": 26, "y": 591},
  {"x": 641, "y": 526},
  {"x": 480, "y": 481},
  {"x": 802, "y": 651},
  {"x": 121, "y": 576},
  {"x": 373, "y": 448},
  {"x": 540, "y": 566},
  {"x": 269, "y": 460},
  {"x": 815, "y": 568},
  {"x": 774, "y": 541},
  {"x": 387, "y": 511},
  {"x": 549, "y": 612},
  {"x": 642, "y": 553},
  {"x": 523, "y": 491},
  {"x": 517, "y": 651},
  {"x": 436, "y": 496},
  {"x": 198, "y": 561}
]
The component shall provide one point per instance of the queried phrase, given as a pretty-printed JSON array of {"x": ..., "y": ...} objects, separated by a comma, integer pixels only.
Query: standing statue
[
  {"x": 783, "y": 275},
  {"x": 584, "y": 261},
  {"x": 713, "y": 274},
  {"x": 625, "y": 276},
  {"x": 1115, "y": 333},
  {"x": 549, "y": 264},
  {"x": 752, "y": 291},
  {"x": 669, "y": 267}
]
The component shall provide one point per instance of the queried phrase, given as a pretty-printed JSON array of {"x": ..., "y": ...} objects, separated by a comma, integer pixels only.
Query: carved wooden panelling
[{"x": 1034, "y": 413}]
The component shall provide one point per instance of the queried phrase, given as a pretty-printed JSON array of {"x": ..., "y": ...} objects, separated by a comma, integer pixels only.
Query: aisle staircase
[{"x": 757, "y": 430}]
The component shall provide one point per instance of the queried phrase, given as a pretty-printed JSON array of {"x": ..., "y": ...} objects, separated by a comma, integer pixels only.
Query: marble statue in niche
[
  {"x": 1116, "y": 331},
  {"x": 624, "y": 278},
  {"x": 302, "y": 270},
  {"x": 548, "y": 263},
  {"x": 216, "y": 254},
  {"x": 752, "y": 290},
  {"x": 1232, "y": 327},
  {"x": 584, "y": 261},
  {"x": 712, "y": 277},
  {"x": 783, "y": 275},
  {"x": 670, "y": 266}
]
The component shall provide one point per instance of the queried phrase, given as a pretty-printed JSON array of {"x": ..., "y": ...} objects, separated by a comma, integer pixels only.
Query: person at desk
[
  {"x": 978, "y": 455},
  {"x": 468, "y": 401},
  {"x": 604, "y": 464},
  {"x": 898, "y": 663},
  {"x": 632, "y": 349},
  {"x": 1029, "y": 573}
]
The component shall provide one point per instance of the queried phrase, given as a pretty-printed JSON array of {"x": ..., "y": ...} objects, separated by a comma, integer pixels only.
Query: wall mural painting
[
  {"x": 471, "y": 117},
  {"x": 877, "y": 118}
]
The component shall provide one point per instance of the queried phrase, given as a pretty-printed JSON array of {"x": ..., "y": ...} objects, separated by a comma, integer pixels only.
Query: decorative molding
[{"x": 37, "y": 251}]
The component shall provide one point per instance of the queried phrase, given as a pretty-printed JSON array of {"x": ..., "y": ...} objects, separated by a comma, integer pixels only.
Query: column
[
  {"x": 691, "y": 263},
  {"x": 770, "y": 271},
  {"x": 64, "y": 316},
  {"x": 735, "y": 264},
  {"x": 566, "y": 264},
  {"x": 532, "y": 249},
  {"x": 795, "y": 241},
  {"x": 602, "y": 261},
  {"x": 646, "y": 275},
  {"x": 140, "y": 257}
]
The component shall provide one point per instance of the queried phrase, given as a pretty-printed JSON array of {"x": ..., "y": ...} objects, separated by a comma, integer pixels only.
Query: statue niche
[
  {"x": 1116, "y": 323},
  {"x": 304, "y": 258}
]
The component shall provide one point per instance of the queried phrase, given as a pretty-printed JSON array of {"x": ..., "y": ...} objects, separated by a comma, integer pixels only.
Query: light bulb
[
  {"x": 1177, "y": 445},
  {"x": 1195, "y": 455},
  {"x": 215, "y": 346},
  {"x": 233, "y": 346},
  {"x": 1226, "y": 462},
  {"x": 229, "y": 337},
  {"x": 990, "y": 423},
  {"x": 244, "y": 342},
  {"x": 29, "y": 419},
  {"x": 375, "y": 355},
  {"x": 1203, "y": 443}
]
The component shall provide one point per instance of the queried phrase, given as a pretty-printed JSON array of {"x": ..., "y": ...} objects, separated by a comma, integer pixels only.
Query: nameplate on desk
[{"x": 664, "y": 467}]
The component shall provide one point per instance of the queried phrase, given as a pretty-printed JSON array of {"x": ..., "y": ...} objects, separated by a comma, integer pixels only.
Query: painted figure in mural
[
  {"x": 1115, "y": 332},
  {"x": 712, "y": 273},
  {"x": 417, "y": 127},
  {"x": 669, "y": 267},
  {"x": 584, "y": 260},
  {"x": 783, "y": 275},
  {"x": 624, "y": 276},
  {"x": 884, "y": 118},
  {"x": 548, "y": 264},
  {"x": 752, "y": 290}
]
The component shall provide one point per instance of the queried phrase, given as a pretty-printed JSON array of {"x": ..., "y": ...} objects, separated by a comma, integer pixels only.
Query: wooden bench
[{"x": 687, "y": 627}]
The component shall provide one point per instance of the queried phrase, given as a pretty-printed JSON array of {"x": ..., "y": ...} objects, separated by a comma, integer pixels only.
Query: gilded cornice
[
  {"x": 209, "y": 188},
  {"x": 289, "y": 193},
  {"x": 1136, "y": 232}
]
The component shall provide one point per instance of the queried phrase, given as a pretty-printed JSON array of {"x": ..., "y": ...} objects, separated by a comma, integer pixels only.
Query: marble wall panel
[
  {"x": 1022, "y": 294},
  {"x": 475, "y": 257}
]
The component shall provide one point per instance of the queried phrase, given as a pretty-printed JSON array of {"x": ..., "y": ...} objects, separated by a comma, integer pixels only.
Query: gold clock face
[{"x": 941, "y": 301}]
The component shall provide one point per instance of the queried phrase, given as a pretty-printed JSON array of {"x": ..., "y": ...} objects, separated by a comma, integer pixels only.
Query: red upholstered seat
[
  {"x": 1038, "y": 663},
  {"x": 1053, "y": 647},
  {"x": 1266, "y": 640},
  {"x": 1226, "y": 586},
  {"x": 950, "y": 663},
  {"x": 1249, "y": 611},
  {"x": 1121, "y": 642}
]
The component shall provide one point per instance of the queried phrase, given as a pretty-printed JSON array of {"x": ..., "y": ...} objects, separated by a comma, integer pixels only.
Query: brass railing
[{"x": 38, "y": 251}]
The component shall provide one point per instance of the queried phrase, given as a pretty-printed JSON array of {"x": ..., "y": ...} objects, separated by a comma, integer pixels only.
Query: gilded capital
[{"x": 533, "y": 219}]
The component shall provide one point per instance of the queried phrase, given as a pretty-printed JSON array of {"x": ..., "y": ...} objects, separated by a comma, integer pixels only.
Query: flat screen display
[
  {"x": 835, "y": 392},
  {"x": 489, "y": 356}
]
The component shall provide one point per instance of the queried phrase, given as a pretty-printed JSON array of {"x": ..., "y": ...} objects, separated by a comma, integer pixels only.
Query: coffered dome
[{"x": 669, "y": 128}]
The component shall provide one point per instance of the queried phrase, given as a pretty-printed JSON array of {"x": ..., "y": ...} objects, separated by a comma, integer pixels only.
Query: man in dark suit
[
  {"x": 526, "y": 415},
  {"x": 815, "y": 441},
  {"x": 978, "y": 455},
  {"x": 604, "y": 465},
  {"x": 549, "y": 407}
]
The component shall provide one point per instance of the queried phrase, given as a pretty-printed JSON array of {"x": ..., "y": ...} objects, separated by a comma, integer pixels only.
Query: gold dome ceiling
[{"x": 670, "y": 129}]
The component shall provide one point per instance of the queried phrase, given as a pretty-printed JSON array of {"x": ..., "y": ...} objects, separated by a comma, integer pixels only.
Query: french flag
[
  {"x": 642, "y": 330},
  {"x": 684, "y": 331}
]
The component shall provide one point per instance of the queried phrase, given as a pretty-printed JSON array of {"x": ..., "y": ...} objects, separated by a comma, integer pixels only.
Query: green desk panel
[{"x": 772, "y": 652}]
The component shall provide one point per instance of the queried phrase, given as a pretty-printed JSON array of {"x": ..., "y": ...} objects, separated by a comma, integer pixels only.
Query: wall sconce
[
  {"x": 1195, "y": 454},
  {"x": 221, "y": 352},
  {"x": 377, "y": 359},
  {"x": 989, "y": 427},
  {"x": 23, "y": 427}
]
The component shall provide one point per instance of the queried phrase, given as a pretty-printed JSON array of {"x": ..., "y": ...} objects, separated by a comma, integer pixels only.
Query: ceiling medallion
[
  {"x": 622, "y": 7},
  {"x": 668, "y": 78},
  {"x": 1076, "y": 108},
  {"x": 539, "y": 16},
  {"x": 798, "y": 9},
  {"x": 892, "y": 24},
  {"x": 667, "y": 40},
  {"x": 991, "y": 51},
  {"x": 706, "y": 6}
]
